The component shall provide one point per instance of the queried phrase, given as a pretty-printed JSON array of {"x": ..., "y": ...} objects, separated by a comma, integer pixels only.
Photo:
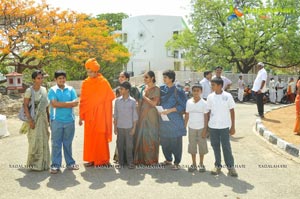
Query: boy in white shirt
[
  {"x": 196, "y": 118},
  {"x": 221, "y": 125}
]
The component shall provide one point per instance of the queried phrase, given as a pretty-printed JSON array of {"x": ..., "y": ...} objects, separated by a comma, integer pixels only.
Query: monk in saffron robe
[
  {"x": 297, "y": 103},
  {"x": 95, "y": 110}
]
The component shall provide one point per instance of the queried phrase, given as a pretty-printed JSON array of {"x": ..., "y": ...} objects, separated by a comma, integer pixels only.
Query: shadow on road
[
  {"x": 62, "y": 181},
  {"x": 187, "y": 179},
  {"x": 99, "y": 177},
  {"x": 270, "y": 120},
  {"x": 236, "y": 139},
  {"x": 32, "y": 179}
]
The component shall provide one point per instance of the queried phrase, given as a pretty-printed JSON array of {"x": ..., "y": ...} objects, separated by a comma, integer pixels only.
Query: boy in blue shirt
[{"x": 62, "y": 100}]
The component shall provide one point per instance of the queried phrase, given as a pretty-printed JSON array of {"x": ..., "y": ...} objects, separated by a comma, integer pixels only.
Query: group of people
[
  {"x": 293, "y": 93},
  {"x": 277, "y": 90},
  {"x": 140, "y": 129},
  {"x": 135, "y": 118}
]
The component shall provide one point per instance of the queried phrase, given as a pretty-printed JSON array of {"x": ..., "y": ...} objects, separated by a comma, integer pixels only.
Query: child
[
  {"x": 197, "y": 116},
  {"x": 125, "y": 119},
  {"x": 63, "y": 99},
  {"x": 221, "y": 125}
]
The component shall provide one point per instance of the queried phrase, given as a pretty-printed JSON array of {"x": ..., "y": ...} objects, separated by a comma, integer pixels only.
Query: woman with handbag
[
  {"x": 37, "y": 124},
  {"x": 173, "y": 101}
]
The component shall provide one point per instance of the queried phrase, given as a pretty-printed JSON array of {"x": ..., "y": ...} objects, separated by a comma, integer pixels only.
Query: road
[{"x": 265, "y": 172}]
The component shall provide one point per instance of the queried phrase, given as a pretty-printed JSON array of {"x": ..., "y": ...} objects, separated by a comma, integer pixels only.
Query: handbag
[
  {"x": 22, "y": 115},
  {"x": 176, "y": 97}
]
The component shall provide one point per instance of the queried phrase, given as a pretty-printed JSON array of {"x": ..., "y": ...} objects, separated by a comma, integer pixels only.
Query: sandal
[
  {"x": 166, "y": 163},
  {"x": 131, "y": 166},
  {"x": 103, "y": 166},
  {"x": 192, "y": 168},
  {"x": 89, "y": 164},
  {"x": 73, "y": 167},
  {"x": 54, "y": 170},
  {"x": 175, "y": 167}
]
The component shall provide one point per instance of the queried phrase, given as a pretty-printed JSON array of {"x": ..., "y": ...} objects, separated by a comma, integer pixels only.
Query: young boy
[
  {"x": 196, "y": 117},
  {"x": 125, "y": 119},
  {"x": 221, "y": 125},
  {"x": 62, "y": 99}
]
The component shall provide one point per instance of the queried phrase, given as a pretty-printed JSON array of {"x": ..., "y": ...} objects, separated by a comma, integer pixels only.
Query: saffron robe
[
  {"x": 297, "y": 104},
  {"x": 95, "y": 110}
]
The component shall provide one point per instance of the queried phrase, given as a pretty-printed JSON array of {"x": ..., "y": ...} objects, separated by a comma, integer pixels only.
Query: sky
[{"x": 130, "y": 7}]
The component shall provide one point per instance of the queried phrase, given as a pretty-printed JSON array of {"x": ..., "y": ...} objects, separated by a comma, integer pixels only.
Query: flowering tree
[{"x": 34, "y": 35}]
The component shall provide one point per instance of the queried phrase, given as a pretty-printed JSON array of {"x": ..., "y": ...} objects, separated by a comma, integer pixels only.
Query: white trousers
[
  {"x": 240, "y": 94},
  {"x": 279, "y": 94},
  {"x": 272, "y": 96}
]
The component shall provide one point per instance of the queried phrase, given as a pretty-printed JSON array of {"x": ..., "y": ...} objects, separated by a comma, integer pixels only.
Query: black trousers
[{"x": 260, "y": 103}]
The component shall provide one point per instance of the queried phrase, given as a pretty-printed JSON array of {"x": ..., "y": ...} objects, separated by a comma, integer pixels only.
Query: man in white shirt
[
  {"x": 272, "y": 91},
  {"x": 259, "y": 87},
  {"x": 226, "y": 82},
  {"x": 241, "y": 88},
  {"x": 280, "y": 87},
  {"x": 205, "y": 83}
]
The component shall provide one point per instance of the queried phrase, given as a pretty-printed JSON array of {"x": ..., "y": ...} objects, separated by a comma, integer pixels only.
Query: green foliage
[
  {"x": 267, "y": 32},
  {"x": 114, "y": 20}
]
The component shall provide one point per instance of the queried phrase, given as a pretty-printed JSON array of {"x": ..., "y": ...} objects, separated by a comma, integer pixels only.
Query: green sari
[
  {"x": 38, "y": 138},
  {"x": 147, "y": 138}
]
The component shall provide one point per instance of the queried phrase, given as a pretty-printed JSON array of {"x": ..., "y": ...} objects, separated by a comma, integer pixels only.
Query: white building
[{"x": 146, "y": 37}]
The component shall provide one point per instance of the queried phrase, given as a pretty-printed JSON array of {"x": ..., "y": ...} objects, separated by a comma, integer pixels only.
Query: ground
[
  {"x": 264, "y": 171},
  {"x": 281, "y": 123}
]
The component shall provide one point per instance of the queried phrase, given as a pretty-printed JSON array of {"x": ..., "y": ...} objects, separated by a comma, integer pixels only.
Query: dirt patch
[
  {"x": 10, "y": 105},
  {"x": 281, "y": 122}
]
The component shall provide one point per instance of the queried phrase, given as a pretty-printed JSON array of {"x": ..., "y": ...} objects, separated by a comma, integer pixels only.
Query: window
[
  {"x": 11, "y": 80},
  {"x": 175, "y": 32},
  {"x": 124, "y": 37},
  {"x": 19, "y": 80},
  {"x": 182, "y": 55},
  {"x": 176, "y": 54}
]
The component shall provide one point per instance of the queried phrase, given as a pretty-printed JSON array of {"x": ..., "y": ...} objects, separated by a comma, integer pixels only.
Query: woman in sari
[
  {"x": 37, "y": 125},
  {"x": 297, "y": 103},
  {"x": 147, "y": 140}
]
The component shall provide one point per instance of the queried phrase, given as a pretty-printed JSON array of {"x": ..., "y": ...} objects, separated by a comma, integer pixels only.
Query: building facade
[{"x": 146, "y": 37}]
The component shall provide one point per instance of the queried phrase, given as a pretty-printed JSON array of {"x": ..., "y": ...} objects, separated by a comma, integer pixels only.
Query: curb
[{"x": 274, "y": 139}]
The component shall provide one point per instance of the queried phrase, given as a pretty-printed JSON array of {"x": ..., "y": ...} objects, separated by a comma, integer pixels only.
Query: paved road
[{"x": 251, "y": 153}]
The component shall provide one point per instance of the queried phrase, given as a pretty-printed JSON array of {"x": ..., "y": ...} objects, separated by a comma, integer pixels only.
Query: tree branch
[{"x": 287, "y": 66}]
